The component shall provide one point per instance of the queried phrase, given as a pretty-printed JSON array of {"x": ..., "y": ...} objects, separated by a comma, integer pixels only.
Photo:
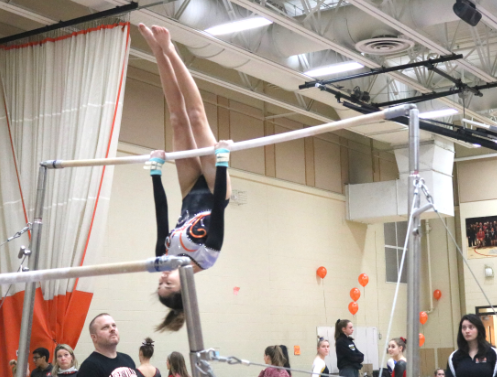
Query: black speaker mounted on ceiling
[{"x": 466, "y": 11}]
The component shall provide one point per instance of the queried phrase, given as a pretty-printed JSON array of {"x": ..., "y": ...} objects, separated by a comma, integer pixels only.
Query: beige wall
[
  {"x": 328, "y": 161},
  {"x": 476, "y": 180},
  {"x": 478, "y": 198},
  {"x": 293, "y": 223},
  {"x": 273, "y": 246}
]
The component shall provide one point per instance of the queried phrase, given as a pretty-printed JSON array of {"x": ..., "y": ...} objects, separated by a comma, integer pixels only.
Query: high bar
[
  {"x": 390, "y": 113},
  {"x": 164, "y": 263}
]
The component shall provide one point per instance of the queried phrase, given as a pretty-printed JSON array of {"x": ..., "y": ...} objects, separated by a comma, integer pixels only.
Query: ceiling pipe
[{"x": 481, "y": 125}]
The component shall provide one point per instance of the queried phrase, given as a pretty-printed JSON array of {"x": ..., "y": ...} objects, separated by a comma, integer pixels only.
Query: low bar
[
  {"x": 164, "y": 263},
  {"x": 247, "y": 144}
]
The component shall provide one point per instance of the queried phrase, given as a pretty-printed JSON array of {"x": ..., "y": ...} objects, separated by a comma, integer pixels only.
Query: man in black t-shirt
[
  {"x": 40, "y": 359},
  {"x": 105, "y": 361}
]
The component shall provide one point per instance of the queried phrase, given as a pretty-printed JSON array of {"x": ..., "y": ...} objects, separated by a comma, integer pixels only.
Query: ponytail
[
  {"x": 339, "y": 326},
  {"x": 276, "y": 355},
  {"x": 176, "y": 317}
]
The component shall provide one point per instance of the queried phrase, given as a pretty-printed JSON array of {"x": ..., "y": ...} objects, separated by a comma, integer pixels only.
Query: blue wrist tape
[
  {"x": 222, "y": 157},
  {"x": 156, "y": 165}
]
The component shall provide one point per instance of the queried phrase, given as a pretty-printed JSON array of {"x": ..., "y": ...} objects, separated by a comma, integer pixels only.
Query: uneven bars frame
[
  {"x": 391, "y": 113},
  {"x": 28, "y": 305},
  {"x": 414, "y": 248}
]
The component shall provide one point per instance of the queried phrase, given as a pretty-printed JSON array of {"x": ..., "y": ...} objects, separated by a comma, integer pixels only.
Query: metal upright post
[
  {"x": 29, "y": 292},
  {"x": 413, "y": 266},
  {"x": 190, "y": 306}
]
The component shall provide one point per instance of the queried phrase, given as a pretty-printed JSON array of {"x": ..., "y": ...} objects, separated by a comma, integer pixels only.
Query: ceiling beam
[
  {"x": 299, "y": 29},
  {"x": 373, "y": 11}
]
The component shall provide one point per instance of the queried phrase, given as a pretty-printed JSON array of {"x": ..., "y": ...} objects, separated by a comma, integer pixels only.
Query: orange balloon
[
  {"x": 363, "y": 279},
  {"x": 355, "y": 293},
  {"x": 423, "y": 317},
  {"x": 421, "y": 340},
  {"x": 321, "y": 271},
  {"x": 353, "y": 308},
  {"x": 437, "y": 294}
]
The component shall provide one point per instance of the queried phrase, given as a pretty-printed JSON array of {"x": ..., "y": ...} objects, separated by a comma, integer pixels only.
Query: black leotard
[{"x": 199, "y": 232}]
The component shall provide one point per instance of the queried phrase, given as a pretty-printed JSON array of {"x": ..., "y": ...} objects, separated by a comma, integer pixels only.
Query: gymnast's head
[
  {"x": 169, "y": 293},
  {"x": 169, "y": 283}
]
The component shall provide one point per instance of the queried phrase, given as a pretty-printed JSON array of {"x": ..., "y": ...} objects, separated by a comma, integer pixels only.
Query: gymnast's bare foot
[
  {"x": 149, "y": 37},
  {"x": 163, "y": 38}
]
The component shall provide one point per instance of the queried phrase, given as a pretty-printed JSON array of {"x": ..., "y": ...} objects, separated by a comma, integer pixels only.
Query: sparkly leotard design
[{"x": 200, "y": 229}]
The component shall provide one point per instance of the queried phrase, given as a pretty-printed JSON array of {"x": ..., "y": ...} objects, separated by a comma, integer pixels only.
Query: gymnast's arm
[
  {"x": 160, "y": 215},
  {"x": 215, "y": 234}
]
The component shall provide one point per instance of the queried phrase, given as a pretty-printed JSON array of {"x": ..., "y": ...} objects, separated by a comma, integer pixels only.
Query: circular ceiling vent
[{"x": 384, "y": 45}]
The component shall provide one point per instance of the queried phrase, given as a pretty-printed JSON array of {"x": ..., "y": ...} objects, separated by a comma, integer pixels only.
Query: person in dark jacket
[
  {"x": 40, "y": 359},
  {"x": 474, "y": 356},
  {"x": 349, "y": 358}
]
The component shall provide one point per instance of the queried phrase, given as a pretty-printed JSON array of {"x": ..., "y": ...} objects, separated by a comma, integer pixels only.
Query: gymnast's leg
[
  {"x": 202, "y": 132},
  {"x": 188, "y": 169}
]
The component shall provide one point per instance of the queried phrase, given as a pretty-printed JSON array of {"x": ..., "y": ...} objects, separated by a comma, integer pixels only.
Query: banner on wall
[{"x": 481, "y": 237}]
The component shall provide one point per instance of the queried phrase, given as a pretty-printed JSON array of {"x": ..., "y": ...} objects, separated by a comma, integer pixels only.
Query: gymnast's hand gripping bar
[
  {"x": 164, "y": 263},
  {"x": 390, "y": 113}
]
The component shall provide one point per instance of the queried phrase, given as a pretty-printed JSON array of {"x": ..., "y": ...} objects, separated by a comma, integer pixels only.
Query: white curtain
[{"x": 61, "y": 99}]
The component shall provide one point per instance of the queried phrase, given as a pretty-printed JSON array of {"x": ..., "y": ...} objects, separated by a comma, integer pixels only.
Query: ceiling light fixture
[
  {"x": 240, "y": 25},
  {"x": 481, "y": 125},
  {"x": 334, "y": 68},
  {"x": 466, "y": 11},
  {"x": 438, "y": 113}
]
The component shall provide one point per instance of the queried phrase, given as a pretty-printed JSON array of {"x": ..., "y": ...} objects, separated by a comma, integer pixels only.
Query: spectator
[
  {"x": 65, "y": 363},
  {"x": 105, "y": 361},
  {"x": 176, "y": 365},
  {"x": 145, "y": 354},
  {"x": 439, "y": 372},
  {"x": 40, "y": 359},
  {"x": 273, "y": 355},
  {"x": 284, "y": 349},
  {"x": 349, "y": 358},
  {"x": 396, "y": 349},
  {"x": 319, "y": 366},
  {"x": 474, "y": 356}
]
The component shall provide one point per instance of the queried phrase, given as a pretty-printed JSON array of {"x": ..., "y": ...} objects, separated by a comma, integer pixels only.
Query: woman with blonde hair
[
  {"x": 65, "y": 363},
  {"x": 319, "y": 365}
]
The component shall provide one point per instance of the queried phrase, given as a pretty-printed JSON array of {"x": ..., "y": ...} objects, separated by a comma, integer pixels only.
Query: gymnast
[{"x": 204, "y": 181}]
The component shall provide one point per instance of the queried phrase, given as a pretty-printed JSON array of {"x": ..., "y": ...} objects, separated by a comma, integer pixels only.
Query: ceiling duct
[{"x": 384, "y": 45}]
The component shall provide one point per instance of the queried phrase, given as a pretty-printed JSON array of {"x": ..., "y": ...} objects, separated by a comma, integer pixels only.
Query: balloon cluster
[
  {"x": 355, "y": 293},
  {"x": 423, "y": 316}
]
